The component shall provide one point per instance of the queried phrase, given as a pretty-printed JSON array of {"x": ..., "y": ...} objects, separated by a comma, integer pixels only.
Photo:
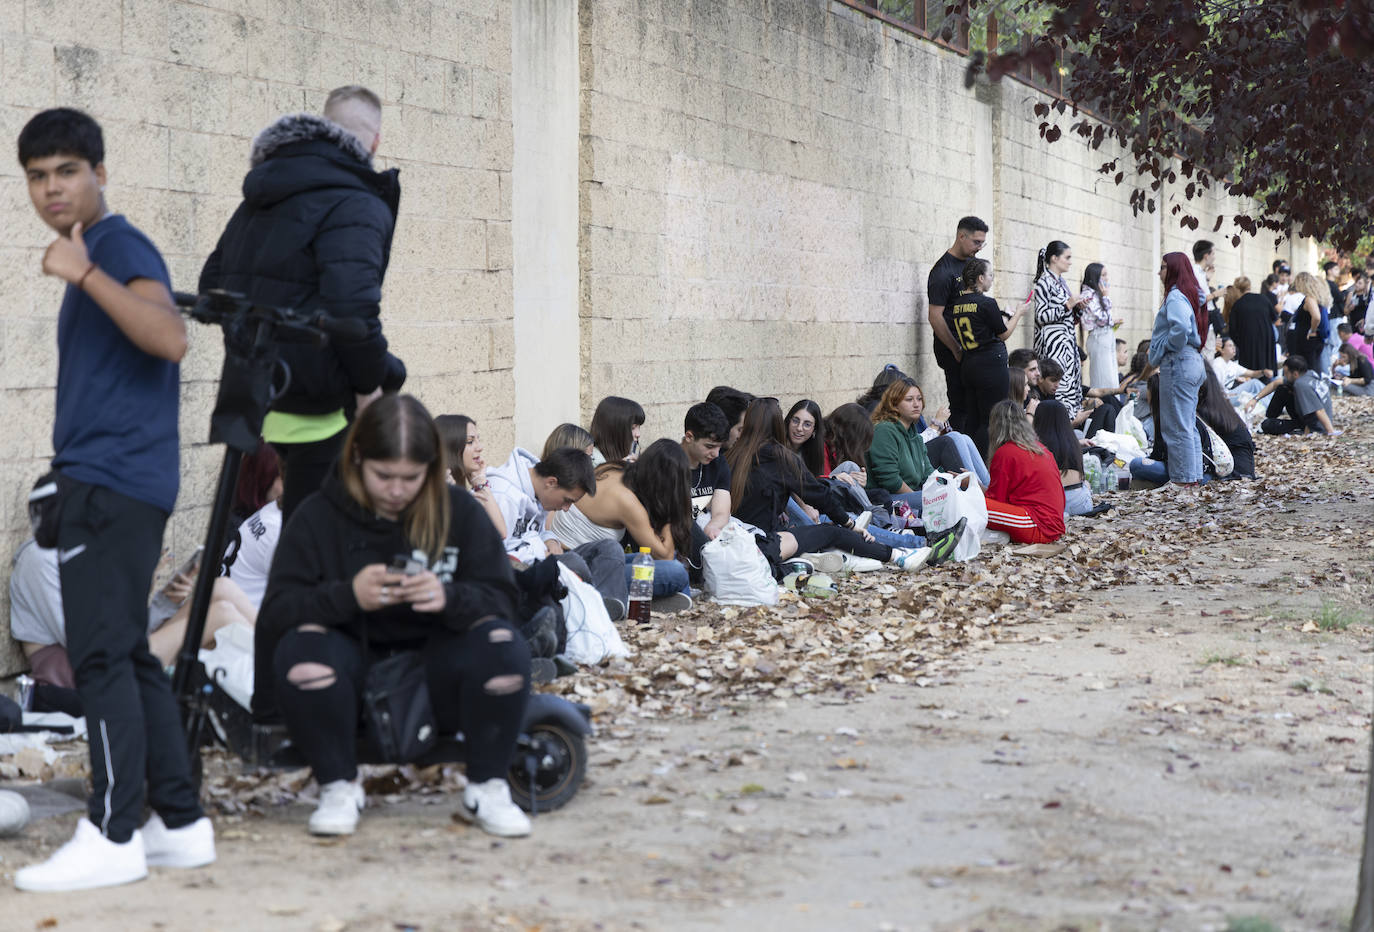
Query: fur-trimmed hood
[
  {"x": 306, "y": 127},
  {"x": 302, "y": 152}
]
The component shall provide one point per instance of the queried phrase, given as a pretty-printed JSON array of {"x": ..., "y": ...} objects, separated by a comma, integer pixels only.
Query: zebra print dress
[{"x": 1054, "y": 338}]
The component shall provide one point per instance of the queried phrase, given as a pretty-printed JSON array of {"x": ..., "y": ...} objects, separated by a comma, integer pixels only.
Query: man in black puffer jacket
[{"x": 314, "y": 233}]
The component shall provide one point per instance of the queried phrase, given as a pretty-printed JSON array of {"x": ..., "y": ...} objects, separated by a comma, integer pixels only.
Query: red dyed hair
[{"x": 1180, "y": 275}]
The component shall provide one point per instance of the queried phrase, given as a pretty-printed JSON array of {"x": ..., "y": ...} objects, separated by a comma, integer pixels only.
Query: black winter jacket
[
  {"x": 778, "y": 474},
  {"x": 314, "y": 232}
]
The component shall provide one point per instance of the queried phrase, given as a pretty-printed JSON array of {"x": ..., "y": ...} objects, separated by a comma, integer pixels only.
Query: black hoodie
[
  {"x": 330, "y": 537},
  {"x": 777, "y": 475},
  {"x": 314, "y": 233}
]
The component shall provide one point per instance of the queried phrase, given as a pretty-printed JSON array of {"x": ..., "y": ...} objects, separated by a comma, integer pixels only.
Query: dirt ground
[{"x": 1165, "y": 729}]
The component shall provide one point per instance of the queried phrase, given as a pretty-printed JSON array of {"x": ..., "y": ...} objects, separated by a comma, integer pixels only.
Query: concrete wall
[
  {"x": 766, "y": 185},
  {"x": 759, "y": 189}
]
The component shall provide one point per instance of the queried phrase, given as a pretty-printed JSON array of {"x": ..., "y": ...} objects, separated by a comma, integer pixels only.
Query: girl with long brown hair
[
  {"x": 388, "y": 557},
  {"x": 1026, "y": 497}
]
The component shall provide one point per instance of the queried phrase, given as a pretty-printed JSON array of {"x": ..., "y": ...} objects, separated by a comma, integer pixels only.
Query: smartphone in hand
[{"x": 406, "y": 565}]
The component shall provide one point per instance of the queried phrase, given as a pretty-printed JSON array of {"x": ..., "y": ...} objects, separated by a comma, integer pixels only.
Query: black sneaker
[{"x": 942, "y": 545}]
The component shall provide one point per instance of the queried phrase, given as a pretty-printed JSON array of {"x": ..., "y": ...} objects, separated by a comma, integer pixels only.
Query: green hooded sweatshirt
[{"x": 896, "y": 456}]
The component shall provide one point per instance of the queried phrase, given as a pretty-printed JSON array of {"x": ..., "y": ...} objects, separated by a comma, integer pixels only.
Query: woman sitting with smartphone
[{"x": 388, "y": 557}]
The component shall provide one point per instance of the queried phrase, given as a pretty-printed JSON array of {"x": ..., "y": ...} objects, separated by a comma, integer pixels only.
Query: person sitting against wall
[
  {"x": 732, "y": 402},
  {"x": 569, "y": 435},
  {"x": 1215, "y": 410},
  {"x": 646, "y": 501},
  {"x": 466, "y": 467},
  {"x": 846, "y": 478},
  {"x": 765, "y": 473},
  {"x": 336, "y": 603},
  {"x": 615, "y": 430},
  {"x": 527, "y": 490},
  {"x": 38, "y": 623},
  {"x": 1026, "y": 496},
  {"x": 1052, "y": 426},
  {"x": 947, "y": 449}
]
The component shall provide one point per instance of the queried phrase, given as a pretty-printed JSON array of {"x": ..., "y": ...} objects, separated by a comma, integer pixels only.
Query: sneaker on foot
[
  {"x": 831, "y": 561},
  {"x": 488, "y": 806},
  {"x": 909, "y": 561},
  {"x": 854, "y": 564},
  {"x": 614, "y": 607},
  {"x": 337, "y": 813},
  {"x": 671, "y": 604},
  {"x": 189, "y": 846},
  {"x": 797, "y": 565},
  {"x": 942, "y": 544},
  {"x": 89, "y": 860}
]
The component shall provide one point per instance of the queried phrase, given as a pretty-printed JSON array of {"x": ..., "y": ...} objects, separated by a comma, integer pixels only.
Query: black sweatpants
[
  {"x": 304, "y": 467},
  {"x": 1283, "y": 400},
  {"x": 108, "y": 546},
  {"x": 985, "y": 382},
  {"x": 812, "y": 538},
  {"x": 324, "y": 723},
  {"x": 954, "y": 386}
]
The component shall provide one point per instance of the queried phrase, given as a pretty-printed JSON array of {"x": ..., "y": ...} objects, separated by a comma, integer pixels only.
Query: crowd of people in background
[{"x": 368, "y": 527}]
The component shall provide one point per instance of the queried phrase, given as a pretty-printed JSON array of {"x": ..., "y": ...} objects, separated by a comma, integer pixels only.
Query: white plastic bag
[
  {"x": 1123, "y": 446},
  {"x": 736, "y": 572},
  {"x": 229, "y": 664},
  {"x": 945, "y": 498},
  {"x": 1127, "y": 423},
  {"x": 592, "y": 637}
]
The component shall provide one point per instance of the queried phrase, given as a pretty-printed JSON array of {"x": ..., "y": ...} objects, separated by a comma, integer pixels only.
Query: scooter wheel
[{"x": 560, "y": 764}]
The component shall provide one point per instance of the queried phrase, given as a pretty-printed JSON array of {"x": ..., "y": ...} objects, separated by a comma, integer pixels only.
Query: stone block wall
[
  {"x": 181, "y": 88},
  {"x": 766, "y": 185}
]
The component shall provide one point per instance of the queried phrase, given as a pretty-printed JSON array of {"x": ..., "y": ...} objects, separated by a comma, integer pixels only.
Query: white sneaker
[
  {"x": 337, "y": 813},
  {"x": 861, "y": 564},
  {"x": 89, "y": 860},
  {"x": 189, "y": 846},
  {"x": 910, "y": 561},
  {"x": 831, "y": 561},
  {"x": 488, "y": 806}
]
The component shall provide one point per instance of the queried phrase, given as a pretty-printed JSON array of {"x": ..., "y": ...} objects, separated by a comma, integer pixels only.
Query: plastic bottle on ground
[{"x": 641, "y": 586}]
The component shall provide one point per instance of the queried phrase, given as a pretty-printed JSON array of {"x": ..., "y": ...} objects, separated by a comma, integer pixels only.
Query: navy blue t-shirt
[{"x": 116, "y": 421}]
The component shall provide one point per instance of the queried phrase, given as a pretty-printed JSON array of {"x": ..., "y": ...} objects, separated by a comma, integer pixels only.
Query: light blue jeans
[
  {"x": 669, "y": 576},
  {"x": 968, "y": 452},
  {"x": 1180, "y": 378}
]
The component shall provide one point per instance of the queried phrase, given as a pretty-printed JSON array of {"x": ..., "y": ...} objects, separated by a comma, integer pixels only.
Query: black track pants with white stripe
[{"x": 108, "y": 546}]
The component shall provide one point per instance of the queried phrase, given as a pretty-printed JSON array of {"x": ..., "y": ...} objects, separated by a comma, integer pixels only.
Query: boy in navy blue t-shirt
[{"x": 119, "y": 340}]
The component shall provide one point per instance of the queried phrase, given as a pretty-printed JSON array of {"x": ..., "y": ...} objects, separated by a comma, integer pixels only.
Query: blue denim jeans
[
  {"x": 669, "y": 576},
  {"x": 799, "y": 517},
  {"x": 1180, "y": 378},
  {"x": 968, "y": 452}
]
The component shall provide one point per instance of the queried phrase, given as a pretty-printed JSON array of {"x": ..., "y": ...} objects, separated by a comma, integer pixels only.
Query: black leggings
[
  {"x": 324, "y": 722},
  {"x": 986, "y": 382},
  {"x": 812, "y": 538}
]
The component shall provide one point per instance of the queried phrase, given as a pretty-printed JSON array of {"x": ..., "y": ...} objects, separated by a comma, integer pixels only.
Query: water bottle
[{"x": 641, "y": 585}]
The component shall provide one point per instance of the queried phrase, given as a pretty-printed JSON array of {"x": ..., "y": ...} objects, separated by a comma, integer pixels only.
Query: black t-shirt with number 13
[{"x": 975, "y": 320}]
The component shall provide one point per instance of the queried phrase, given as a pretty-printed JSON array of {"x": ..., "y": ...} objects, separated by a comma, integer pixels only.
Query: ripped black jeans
[{"x": 479, "y": 682}]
